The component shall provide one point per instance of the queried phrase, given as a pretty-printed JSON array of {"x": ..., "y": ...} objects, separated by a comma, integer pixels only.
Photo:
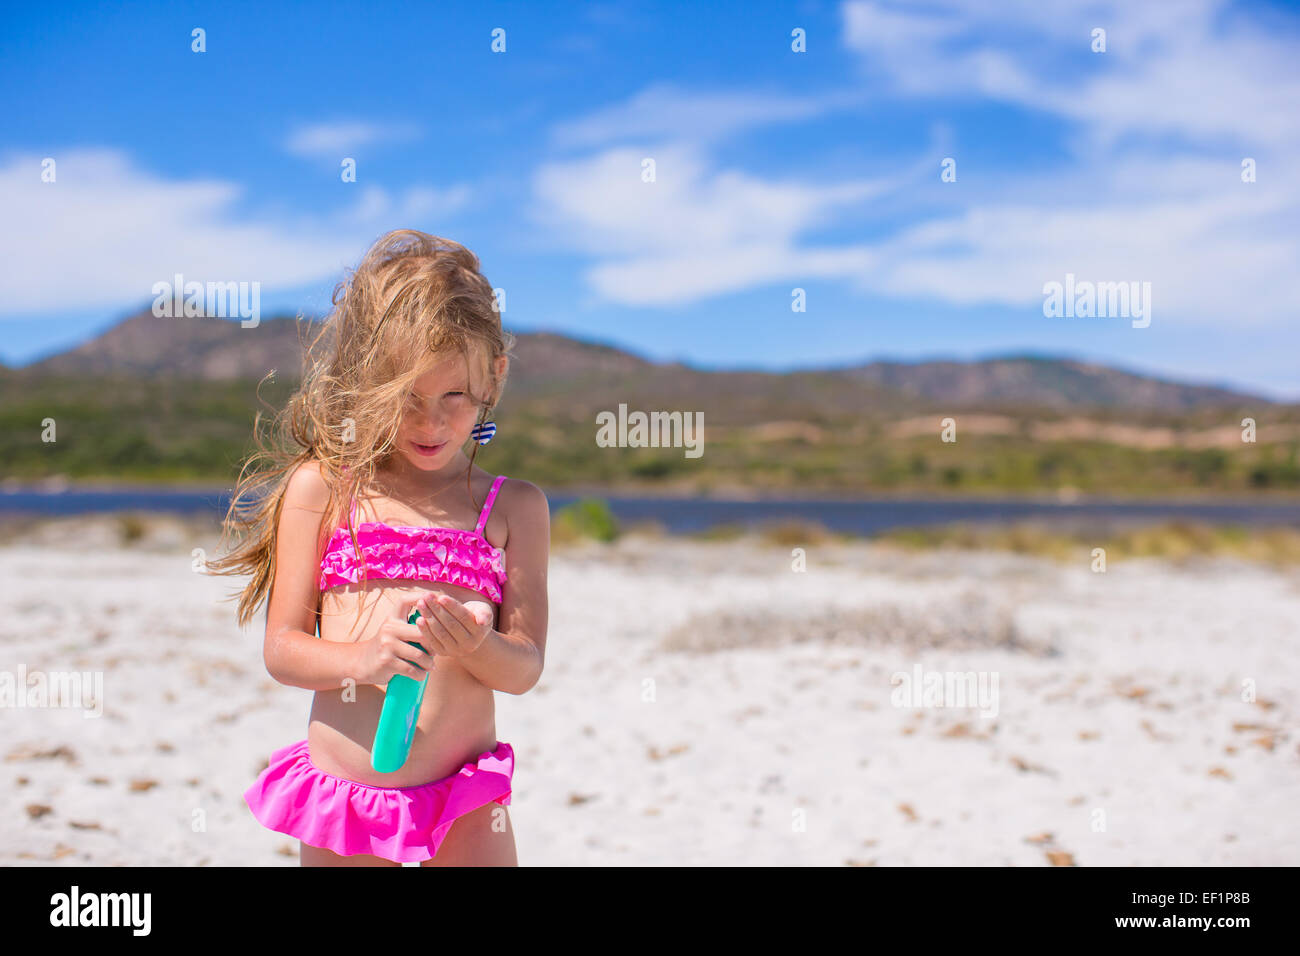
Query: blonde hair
[{"x": 412, "y": 294}]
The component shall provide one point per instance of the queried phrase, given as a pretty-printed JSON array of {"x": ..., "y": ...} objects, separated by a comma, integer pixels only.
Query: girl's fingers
[
  {"x": 454, "y": 609},
  {"x": 453, "y": 619},
  {"x": 417, "y": 655},
  {"x": 450, "y": 632},
  {"x": 430, "y": 638}
]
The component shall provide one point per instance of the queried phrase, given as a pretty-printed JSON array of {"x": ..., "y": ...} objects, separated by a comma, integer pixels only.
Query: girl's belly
[{"x": 457, "y": 716}]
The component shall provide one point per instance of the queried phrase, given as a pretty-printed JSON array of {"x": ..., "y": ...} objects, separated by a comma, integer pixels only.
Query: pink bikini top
[{"x": 424, "y": 554}]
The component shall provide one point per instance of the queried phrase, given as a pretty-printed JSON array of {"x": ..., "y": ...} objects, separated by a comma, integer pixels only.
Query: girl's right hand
[{"x": 389, "y": 653}]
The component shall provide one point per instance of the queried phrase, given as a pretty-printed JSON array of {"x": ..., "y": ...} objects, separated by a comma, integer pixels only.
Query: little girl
[{"x": 375, "y": 511}]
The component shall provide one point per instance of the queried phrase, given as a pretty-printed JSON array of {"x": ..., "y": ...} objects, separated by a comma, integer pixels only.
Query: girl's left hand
[{"x": 450, "y": 628}]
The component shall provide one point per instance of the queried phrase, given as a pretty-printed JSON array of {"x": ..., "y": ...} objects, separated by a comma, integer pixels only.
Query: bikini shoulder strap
[{"x": 487, "y": 505}]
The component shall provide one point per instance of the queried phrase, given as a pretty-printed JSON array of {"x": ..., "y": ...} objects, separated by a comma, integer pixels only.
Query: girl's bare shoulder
[
  {"x": 520, "y": 490},
  {"x": 307, "y": 488},
  {"x": 524, "y": 505}
]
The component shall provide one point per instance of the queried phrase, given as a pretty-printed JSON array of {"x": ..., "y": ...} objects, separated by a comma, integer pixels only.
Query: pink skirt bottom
[{"x": 397, "y": 823}]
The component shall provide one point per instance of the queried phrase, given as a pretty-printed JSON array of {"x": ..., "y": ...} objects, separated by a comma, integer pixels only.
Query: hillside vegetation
[{"x": 173, "y": 400}]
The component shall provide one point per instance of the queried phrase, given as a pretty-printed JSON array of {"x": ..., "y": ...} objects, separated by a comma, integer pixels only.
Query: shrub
[{"x": 585, "y": 518}]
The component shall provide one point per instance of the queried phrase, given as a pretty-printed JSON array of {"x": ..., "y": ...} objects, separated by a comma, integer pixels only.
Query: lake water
[{"x": 695, "y": 514}]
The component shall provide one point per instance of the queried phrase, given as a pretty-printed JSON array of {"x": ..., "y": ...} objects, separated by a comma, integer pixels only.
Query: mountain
[
  {"x": 556, "y": 367},
  {"x": 211, "y": 349},
  {"x": 219, "y": 349},
  {"x": 1042, "y": 382}
]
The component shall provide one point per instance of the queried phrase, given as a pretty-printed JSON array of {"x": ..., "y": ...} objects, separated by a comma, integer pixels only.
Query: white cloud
[
  {"x": 334, "y": 140},
  {"x": 1156, "y": 128},
  {"x": 105, "y": 231},
  {"x": 1191, "y": 90},
  {"x": 664, "y": 110},
  {"x": 671, "y": 279},
  {"x": 1184, "y": 67},
  {"x": 1201, "y": 263},
  {"x": 692, "y": 232},
  {"x": 376, "y": 203}
]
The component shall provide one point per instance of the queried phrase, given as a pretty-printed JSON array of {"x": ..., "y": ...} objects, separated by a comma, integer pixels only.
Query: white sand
[{"x": 1121, "y": 737}]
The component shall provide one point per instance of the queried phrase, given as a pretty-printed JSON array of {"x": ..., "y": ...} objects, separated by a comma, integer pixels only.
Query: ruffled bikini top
[{"x": 425, "y": 554}]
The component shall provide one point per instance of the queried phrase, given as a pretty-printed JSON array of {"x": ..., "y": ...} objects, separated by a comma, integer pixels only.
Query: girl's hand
[
  {"x": 453, "y": 629},
  {"x": 389, "y": 653}
]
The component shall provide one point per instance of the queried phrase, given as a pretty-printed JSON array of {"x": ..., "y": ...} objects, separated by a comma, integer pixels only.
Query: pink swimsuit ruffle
[
  {"x": 424, "y": 554},
  {"x": 292, "y": 796}
]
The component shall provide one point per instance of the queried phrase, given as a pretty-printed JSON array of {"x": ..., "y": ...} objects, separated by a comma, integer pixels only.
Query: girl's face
[{"x": 439, "y": 415}]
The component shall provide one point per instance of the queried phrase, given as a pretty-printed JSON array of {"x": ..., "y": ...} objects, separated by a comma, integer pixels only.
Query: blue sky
[{"x": 774, "y": 170}]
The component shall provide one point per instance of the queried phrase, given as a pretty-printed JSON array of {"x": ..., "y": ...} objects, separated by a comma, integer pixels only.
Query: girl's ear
[{"x": 499, "y": 370}]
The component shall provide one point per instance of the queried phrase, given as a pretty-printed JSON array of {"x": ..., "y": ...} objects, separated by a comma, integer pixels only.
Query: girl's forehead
[{"x": 448, "y": 369}]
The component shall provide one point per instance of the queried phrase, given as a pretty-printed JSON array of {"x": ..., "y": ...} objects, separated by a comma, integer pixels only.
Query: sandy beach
[{"x": 706, "y": 704}]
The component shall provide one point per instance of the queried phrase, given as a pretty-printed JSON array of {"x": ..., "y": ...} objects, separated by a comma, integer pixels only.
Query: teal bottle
[{"x": 396, "y": 730}]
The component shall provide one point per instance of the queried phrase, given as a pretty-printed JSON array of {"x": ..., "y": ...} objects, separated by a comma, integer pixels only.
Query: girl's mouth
[{"x": 428, "y": 449}]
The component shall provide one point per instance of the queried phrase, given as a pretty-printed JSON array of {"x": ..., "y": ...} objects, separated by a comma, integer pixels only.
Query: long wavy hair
[{"x": 413, "y": 299}]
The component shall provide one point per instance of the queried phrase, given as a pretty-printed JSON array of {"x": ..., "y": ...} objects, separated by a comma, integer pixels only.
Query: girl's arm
[
  {"x": 511, "y": 658},
  {"x": 292, "y": 652}
]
